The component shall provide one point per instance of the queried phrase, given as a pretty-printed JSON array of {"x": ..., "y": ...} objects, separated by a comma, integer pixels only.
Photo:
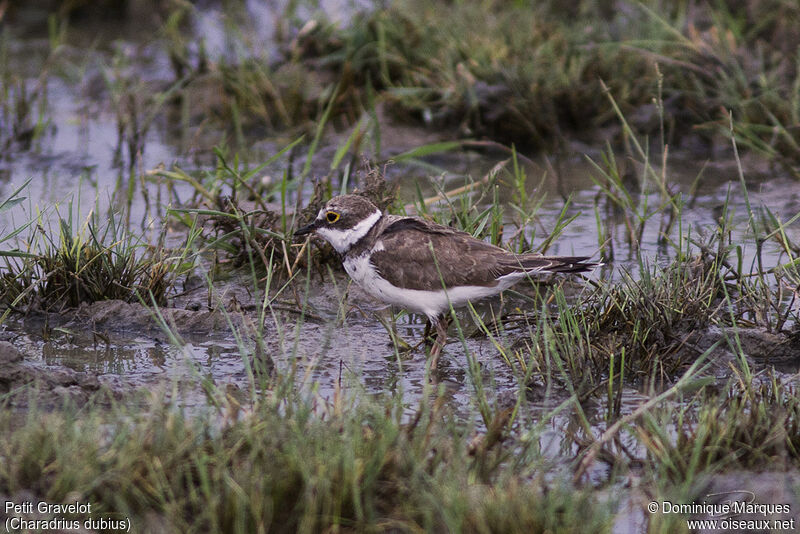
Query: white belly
[{"x": 430, "y": 303}]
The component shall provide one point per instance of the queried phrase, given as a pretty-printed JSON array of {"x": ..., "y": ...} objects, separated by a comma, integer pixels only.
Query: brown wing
[
  {"x": 407, "y": 259},
  {"x": 457, "y": 258}
]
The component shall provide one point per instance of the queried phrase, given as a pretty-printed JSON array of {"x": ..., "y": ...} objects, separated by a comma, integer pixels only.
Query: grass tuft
[
  {"x": 99, "y": 261},
  {"x": 281, "y": 467}
]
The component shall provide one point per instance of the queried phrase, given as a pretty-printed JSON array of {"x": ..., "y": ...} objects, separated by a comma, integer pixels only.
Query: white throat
[{"x": 342, "y": 240}]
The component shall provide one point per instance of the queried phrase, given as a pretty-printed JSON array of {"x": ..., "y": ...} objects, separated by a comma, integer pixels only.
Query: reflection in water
[
  {"x": 119, "y": 359},
  {"x": 79, "y": 147}
]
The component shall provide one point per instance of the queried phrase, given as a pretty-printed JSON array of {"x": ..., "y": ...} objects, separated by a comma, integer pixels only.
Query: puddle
[{"x": 77, "y": 158}]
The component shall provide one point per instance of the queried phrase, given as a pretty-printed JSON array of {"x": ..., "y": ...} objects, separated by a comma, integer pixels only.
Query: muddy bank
[
  {"x": 120, "y": 316},
  {"x": 22, "y": 382},
  {"x": 108, "y": 318},
  {"x": 759, "y": 348},
  {"x": 340, "y": 343},
  {"x": 341, "y": 337},
  {"x": 105, "y": 349}
]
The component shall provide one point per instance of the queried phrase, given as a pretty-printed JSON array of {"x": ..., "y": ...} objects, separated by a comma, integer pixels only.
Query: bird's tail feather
[{"x": 557, "y": 264}]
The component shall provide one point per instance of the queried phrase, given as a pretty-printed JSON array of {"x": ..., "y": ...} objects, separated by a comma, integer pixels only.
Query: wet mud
[{"x": 23, "y": 380}]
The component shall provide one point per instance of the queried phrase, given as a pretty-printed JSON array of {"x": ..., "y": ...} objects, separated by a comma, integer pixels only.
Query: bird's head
[{"x": 343, "y": 221}]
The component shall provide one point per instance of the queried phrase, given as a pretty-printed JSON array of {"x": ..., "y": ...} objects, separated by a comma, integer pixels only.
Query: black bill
[{"x": 307, "y": 229}]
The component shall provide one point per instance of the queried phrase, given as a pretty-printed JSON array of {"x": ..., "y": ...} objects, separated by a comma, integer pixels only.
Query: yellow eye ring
[{"x": 331, "y": 217}]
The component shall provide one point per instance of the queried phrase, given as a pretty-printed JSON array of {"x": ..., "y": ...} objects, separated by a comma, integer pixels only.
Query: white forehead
[{"x": 343, "y": 239}]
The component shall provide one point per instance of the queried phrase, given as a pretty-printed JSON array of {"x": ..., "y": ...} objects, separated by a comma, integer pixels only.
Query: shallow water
[{"x": 77, "y": 158}]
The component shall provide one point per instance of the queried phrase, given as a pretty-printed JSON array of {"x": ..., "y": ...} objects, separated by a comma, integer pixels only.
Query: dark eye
[{"x": 332, "y": 217}]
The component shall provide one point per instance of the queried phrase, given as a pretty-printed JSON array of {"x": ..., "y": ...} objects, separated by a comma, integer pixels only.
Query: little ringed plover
[{"x": 422, "y": 266}]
